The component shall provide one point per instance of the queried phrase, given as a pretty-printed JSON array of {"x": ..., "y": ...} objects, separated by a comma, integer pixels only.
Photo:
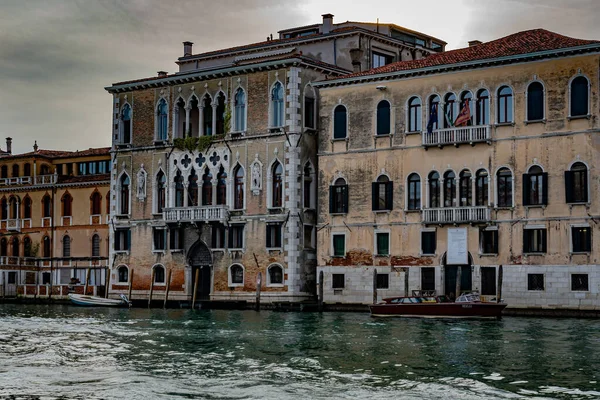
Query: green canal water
[{"x": 63, "y": 352}]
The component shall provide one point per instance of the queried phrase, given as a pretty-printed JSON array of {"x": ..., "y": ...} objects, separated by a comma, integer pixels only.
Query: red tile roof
[{"x": 525, "y": 42}]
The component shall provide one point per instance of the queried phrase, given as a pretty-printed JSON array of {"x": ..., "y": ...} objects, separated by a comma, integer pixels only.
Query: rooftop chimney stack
[
  {"x": 9, "y": 145},
  {"x": 187, "y": 48},
  {"x": 473, "y": 43},
  {"x": 162, "y": 74},
  {"x": 327, "y": 23}
]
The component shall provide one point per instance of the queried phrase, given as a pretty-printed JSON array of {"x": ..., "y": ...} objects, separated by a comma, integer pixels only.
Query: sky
[{"x": 56, "y": 56}]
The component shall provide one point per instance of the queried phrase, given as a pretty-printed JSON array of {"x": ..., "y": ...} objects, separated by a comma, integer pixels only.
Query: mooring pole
[
  {"x": 406, "y": 269},
  {"x": 130, "y": 284},
  {"x": 258, "y": 284},
  {"x": 375, "y": 286},
  {"x": 499, "y": 290},
  {"x": 3, "y": 284},
  {"x": 168, "y": 287},
  {"x": 195, "y": 287},
  {"x": 106, "y": 282},
  {"x": 321, "y": 291},
  {"x": 458, "y": 279},
  {"x": 151, "y": 287},
  {"x": 87, "y": 281}
]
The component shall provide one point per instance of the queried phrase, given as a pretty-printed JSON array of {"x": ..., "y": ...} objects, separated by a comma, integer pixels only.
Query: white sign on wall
[{"x": 457, "y": 247}]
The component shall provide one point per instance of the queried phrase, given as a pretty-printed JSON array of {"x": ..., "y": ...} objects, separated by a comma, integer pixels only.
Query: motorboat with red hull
[{"x": 465, "y": 306}]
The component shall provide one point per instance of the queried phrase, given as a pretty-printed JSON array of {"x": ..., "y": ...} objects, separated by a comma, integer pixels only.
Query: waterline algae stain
[{"x": 54, "y": 352}]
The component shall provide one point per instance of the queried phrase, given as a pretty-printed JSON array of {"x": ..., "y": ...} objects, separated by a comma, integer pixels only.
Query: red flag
[{"x": 464, "y": 116}]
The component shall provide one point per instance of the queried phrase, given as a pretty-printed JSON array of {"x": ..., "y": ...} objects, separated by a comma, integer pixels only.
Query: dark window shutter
[
  {"x": 128, "y": 245},
  {"x": 545, "y": 188},
  {"x": 544, "y": 240},
  {"x": 526, "y": 189},
  {"x": 345, "y": 198},
  {"x": 331, "y": 199},
  {"x": 389, "y": 195},
  {"x": 585, "y": 186},
  {"x": 525, "y": 241},
  {"x": 374, "y": 196},
  {"x": 569, "y": 186},
  {"x": 588, "y": 240}
]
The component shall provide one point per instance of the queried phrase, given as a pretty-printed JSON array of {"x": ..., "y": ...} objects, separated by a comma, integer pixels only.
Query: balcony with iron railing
[
  {"x": 456, "y": 136},
  {"x": 29, "y": 180},
  {"x": 456, "y": 215},
  {"x": 196, "y": 214}
]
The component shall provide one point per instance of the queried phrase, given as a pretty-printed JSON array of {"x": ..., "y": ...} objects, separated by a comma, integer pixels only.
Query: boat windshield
[{"x": 468, "y": 298}]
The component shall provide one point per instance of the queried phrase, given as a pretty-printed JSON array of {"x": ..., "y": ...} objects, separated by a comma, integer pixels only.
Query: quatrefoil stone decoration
[
  {"x": 214, "y": 158},
  {"x": 200, "y": 160},
  {"x": 186, "y": 161}
]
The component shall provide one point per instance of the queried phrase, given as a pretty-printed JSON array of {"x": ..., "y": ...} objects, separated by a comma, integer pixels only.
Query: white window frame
[
  {"x": 488, "y": 228},
  {"x": 164, "y": 282},
  {"x": 407, "y": 194},
  {"x": 128, "y": 274},
  {"x": 270, "y": 184},
  {"x": 421, "y": 242},
  {"x": 579, "y": 73},
  {"x": 407, "y": 114},
  {"x": 527, "y": 120},
  {"x": 119, "y": 194},
  {"x": 229, "y": 276},
  {"x": 583, "y": 225},
  {"x": 272, "y": 106},
  {"x": 382, "y": 231},
  {"x": 497, "y": 104},
  {"x": 280, "y": 223},
  {"x": 331, "y": 249},
  {"x": 157, "y": 120},
  {"x": 269, "y": 283},
  {"x": 496, "y": 187},
  {"x": 121, "y": 126},
  {"x": 234, "y": 127},
  {"x": 332, "y": 134},
  {"x": 164, "y": 229}
]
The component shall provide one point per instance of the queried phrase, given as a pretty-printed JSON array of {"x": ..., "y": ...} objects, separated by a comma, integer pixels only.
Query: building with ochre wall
[{"x": 434, "y": 205}]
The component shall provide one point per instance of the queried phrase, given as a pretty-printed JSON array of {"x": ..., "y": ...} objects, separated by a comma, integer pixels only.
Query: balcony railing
[
  {"x": 13, "y": 225},
  {"x": 18, "y": 261},
  {"x": 46, "y": 179},
  {"x": 455, "y": 136},
  {"x": 458, "y": 215},
  {"x": 195, "y": 214},
  {"x": 29, "y": 180}
]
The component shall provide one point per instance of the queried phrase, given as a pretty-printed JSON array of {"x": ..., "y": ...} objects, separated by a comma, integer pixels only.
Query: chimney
[
  {"x": 356, "y": 57},
  {"x": 162, "y": 74},
  {"x": 327, "y": 23},
  {"x": 9, "y": 145},
  {"x": 187, "y": 48},
  {"x": 473, "y": 43}
]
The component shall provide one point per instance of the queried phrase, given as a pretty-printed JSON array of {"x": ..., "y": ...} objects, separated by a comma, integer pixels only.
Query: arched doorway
[
  {"x": 200, "y": 259},
  {"x": 451, "y": 274}
]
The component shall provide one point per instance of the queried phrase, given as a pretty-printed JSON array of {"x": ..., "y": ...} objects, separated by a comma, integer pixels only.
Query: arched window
[
  {"x": 383, "y": 118},
  {"x": 481, "y": 188},
  {"x": 275, "y": 275},
  {"x": 414, "y": 114},
  {"x": 576, "y": 183},
  {"x": 45, "y": 169},
  {"x": 46, "y": 250},
  {"x": 179, "y": 189},
  {"x": 161, "y": 183},
  {"x": 414, "y": 192},
  {"x": 96, "y": 245},
  {"x": 26, "y": 208},
  {"x": 449, "y": 189},
  {"x": 482, "y": 111},
  {"x": 434, "y": 113},
  {"x": 194, "y": 117},
  {"x": 240, "y": 110},
  {"x": 193, "y": 189},
  {"x": 535, "y": 101},
  {"x": 66, "y": 249},
  {"x": 123, "y": 274},
  {"x": 15, "y": 171},
  {"x": 46, "y": 207},
  {"x": 220, "y": 101},
  {"x": 238, "y": 188},
  {"x": 159, "y": 274},
  {"x": 277, "y": 116},
  {"x": 126, "y": 124},
  {"x": 221, "y": 187},
  {"x": 338, "y": 197},
  {"x": 179, "y": 119},
  {"x": 15, "y": 247},
  {"x": 340, "y": 122},
  {"x": 277, "y": 185},
  {"x": 450, "y": 110},
  {"x": 307, "y": 188},
  {"x": 579, "y": 96},
  {"x": 67, "y": 205},
  {"x": 27, "y": 247},
  {"x": 4, "y": 209},
  {"x": 3, "y": 247},
  {"x": 13, "y": 208},
  {"x": 27, "y": 169},
  {"x": 309, "y": 107},
  {"x": 163, "y": 118},
  {"x": 535, "y": 187},
  {"x": 466, "y": 99},
  {"x": 124, "y": 195},
  {"x": 236, "y": 275},
  {"x": 382, "y": 194},
  {"x": 4, "y": 172},
  {"x": 466, "y": 189},
  {"x": 207, "y": 116},
  {"x": 505, "y": 187},
  {"x": 434, "y": 190},
  {"x": 505, "y": 105},
  {"x": 96, "y": 203},
  {"x": 207, "y": 188}
]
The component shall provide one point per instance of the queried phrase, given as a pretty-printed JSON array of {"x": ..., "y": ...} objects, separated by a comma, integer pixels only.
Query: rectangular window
[
  {"x": 579, "y": 282},
  {"x": 488, "y": 240},
  {"x": 427, "y": 278},
  {"x": 535, "y": 281},
  {"x": 236, "y": 236},
  {"x": 308, "y": 237},
  {"x": 382, "y": 241},
  {"x": 12, "y": 278},
  {"x": 383, "y": 281},
  {"x": 82, "y": 168},
  {"x": 274, "y": 236},
  {"x": 59, "y": 169},
  {"x": 337, "y": 281},
  {"x": 428, "y": 242},
  {"x": 92, "y": 168},
  {"x": 45, "y": 278},
  {"x": 159, "y": 238},
  {"x": 176, "y": 238},
  {"x": 581, "y": 239},
  {"x": 218, "y": 236},
  {"x": 535, "y": 189},
  {"x": 339, "y": 245},
  {"x": 122, "y": 239},
  {"x": 488, "y": 281},
  {"x": 534, "y": 240},
  {"x": 379, "y": 59},
  {"x": 338, "y": 199},
  {"x": 69, "y": 171}
]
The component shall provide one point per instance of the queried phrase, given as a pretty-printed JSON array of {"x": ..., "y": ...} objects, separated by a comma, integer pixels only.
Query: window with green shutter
[{"x": 339, "y": 245}]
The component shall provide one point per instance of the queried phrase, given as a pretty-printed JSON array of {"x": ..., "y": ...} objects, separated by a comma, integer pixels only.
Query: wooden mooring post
[
  {"x": 195, "y": 287},
  {"x": 499, "y": 290},
  {"x": 151, "y": 287},
  {"x": 258, "y": 284},
  {"x": 458, "y": 279},
  {"x": 106, "y": 282},
  {"x": 375, "y": 286},
  {"x": 406, "y": 269},
  {"x": 87, "y": 281},
  {"x": 130, "y": 284},
  {"x": 320, "y": 291},
  {"x": 168, "y": 287}
]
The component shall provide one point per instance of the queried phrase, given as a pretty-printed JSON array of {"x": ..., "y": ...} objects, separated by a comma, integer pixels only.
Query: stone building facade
[
  {"x": 214, "y": 167},
  {"x": 54, "y": 220},
  {"x": 436, "y": 206}
]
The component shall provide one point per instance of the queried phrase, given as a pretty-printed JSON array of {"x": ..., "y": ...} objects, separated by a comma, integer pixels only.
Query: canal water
[{"x": 63, "y": 352}]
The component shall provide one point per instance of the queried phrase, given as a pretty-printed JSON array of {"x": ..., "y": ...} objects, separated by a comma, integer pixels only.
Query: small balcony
[
  {"x": 13, "y": 225},
  {"x": 456, "y": 136},
  {"x": 456, "y": 215},
  {"x": 29, "y": 180},
  {"x": 196, "y": 214}
]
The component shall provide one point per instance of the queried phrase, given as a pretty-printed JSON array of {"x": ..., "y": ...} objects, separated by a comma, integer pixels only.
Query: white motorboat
[{"x": 95, "y": 301}]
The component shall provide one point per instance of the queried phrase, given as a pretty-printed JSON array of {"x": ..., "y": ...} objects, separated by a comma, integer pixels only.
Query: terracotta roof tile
[{"x": 525, "y": 42}]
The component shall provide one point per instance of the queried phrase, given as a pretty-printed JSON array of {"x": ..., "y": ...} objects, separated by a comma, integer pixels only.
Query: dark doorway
[
  {"x": 200, "y": 259},
  {"x": 203, "y": 291},
  {"x": 450, "y": 274}
]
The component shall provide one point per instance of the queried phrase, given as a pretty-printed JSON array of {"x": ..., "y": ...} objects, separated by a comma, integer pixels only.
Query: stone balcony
[
  {"x": 13, "y": 225},
  {"x": 196, "y": 214},
  {"x": 29, "y": 180},
  {"x": 456, "y": 215},
  {"x": 456, "y": 136}
]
